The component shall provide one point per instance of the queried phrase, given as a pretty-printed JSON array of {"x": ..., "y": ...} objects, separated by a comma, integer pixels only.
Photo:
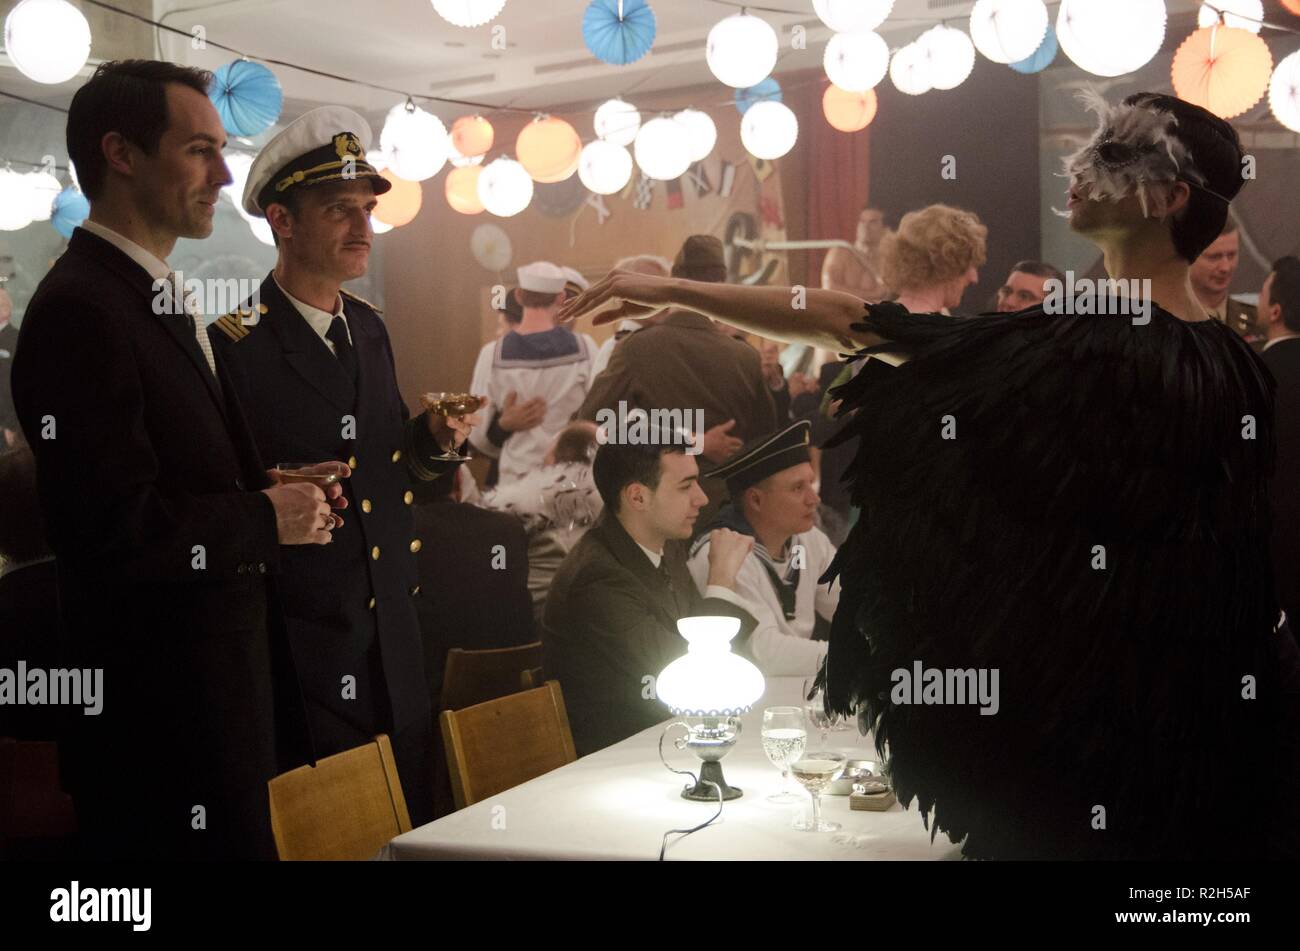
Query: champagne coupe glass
[
  {"x": 451, "y": 405},
  {"x": 815, "y": 771},
  {"x": 784, "y": 739}
]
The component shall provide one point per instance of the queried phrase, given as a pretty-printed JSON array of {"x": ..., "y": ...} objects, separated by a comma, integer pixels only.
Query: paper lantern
[
  {"x": 741, "y": 50},
  {"x": 617, "y": 121},
  {"x": 460, "y": 161},
  {"x": 48, "y": 40},
  {"x": 1007, "y": 31},
  {"x": 239, "y": 164},
  {"x": 491, "y": 247},
  {"x": 416, "y": 142},
  {"x": 548, "y": 148},
  {"x": 462, "y": 189},
  {"x": 1110, "y": 37},
  {"x": 701, "y": 133},
  {"x": 769, "y": 130},
  {"x": 618, "y": 32},
  {"x": 604, "y": 168},
  {"x": 467, "y": 13},
  {"x": 768, "y": 90},
  {"x": 42, "y": 189},
  {"x": 852, "y": 16},
  {"x": 1223, "y": 69},
  {"x": 1243, "y": 14},
  {"x": 1293, "y": 6},
  {"x": 472, "y": 136},
  {"x": 261, "y": 229},
  {"x": 660, "y": 149},
  {"x": 856, "y": 61},
  {"x": 951, "y": 55},
  {"x": 15, "y": 201},
  {"x": 248, "y": 97},
  {"x": 504, "y": 187},
  {"x": 70, "y": 209},
  {"x": 848, "y": 111},
  {"x": 1284, "y": 92},
  {"x": 909, "y": 70},
  {"x": 401, "y": 203},
  {"x": 1041, "y": 58},
  {"x": 379, "y": 227}
]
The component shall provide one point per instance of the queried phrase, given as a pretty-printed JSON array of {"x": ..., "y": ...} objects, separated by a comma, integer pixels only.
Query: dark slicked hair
[
  {"x": 1216, "y": 152},
  {"x": 618, "y": 465},
  {"x": 125, "y": 96},
  {"x": 1285, "y": 291},
  {"x": 1038, "y": 269}
]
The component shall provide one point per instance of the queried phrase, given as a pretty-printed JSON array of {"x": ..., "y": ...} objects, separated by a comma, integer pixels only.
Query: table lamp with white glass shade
[{"x": 709, "y": 688}]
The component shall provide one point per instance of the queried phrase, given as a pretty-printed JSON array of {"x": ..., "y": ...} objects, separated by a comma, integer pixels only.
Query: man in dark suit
[
  {"x": 684, "y": 362},
  {"x": 1279, "y": 311},
  {"x": 610, "y": 625},
  {"x": 8, "y": 344},
  {"x": 314, "y": 365},
  {"x": 164, "y": 523}
]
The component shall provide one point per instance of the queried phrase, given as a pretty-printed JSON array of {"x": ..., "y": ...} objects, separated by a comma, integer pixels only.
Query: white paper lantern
[
  {"x": 48, "y": 40},
  {"x": 910, "y": 70},
  {"x": 852, "y": 16},
  {"x": 468, "y": 13},
  {"x": 44, "y": 188},
  {"x": 239, "y": 163},
  {"x": 617, "y": 121},
  {"x": 505, "y": 188},
  {"x": 604, "y": 167},
  {"x": 261, "y": 229},
  {"x": 415, "y": 141},
  {"x": 769, "y": 129},
  {"x": 1243, "y": 14},
  {"x": 379, "y": 227},
  {"x": 660, "y": 149},
  {"x": 15, "y": 201},
  {"x": 951, "y": 55},
  {"x": 856, "y": 61},
  {"x": 1007, "y": 31},
  {"x": 1111, "y": 37},
  {"x": 1284, "y": 92},
  {"x": 701, "y": 133},
  {"x": 741, "y": 50}
]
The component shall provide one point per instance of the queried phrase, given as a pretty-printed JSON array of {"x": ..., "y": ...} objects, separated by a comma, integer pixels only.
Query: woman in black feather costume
[{"x": 1078, "y": 502}]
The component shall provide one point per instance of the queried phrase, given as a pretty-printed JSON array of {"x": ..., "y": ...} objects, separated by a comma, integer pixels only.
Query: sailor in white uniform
[
  {"x": 534, "y": 359},
  {"x": 772, "y": 498}
]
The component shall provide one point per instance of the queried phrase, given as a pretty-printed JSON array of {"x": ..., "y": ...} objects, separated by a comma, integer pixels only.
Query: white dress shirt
[
  {"x": 710, "y": 591},
  {"x": 319, "y": 320},
  {"x": 1279, "y": 340}
]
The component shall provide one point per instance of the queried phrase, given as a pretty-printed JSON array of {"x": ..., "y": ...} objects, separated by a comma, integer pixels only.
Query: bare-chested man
[{"x": 857, "y": 272}]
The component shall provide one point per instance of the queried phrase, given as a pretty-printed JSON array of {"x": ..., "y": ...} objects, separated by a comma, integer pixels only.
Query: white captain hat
[{"x": 324, "y": 145}]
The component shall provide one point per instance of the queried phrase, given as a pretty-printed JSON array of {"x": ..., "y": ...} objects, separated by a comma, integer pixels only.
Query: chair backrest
[
  {"x": 531, "y": 678},
  {"x": 472, "y": 677},
  {"x": 495, "y": 745},
  {"x": 346, "y": 807}
]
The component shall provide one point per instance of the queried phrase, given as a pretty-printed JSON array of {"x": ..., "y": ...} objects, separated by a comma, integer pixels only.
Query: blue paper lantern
[
  {"x": 1041, "y": 58},
  {"x": 70, "y": 209},
  {"x": 768, "y": 89},
  {"x": 248, "y": 97},
  {"x": 618, "y": 40}
]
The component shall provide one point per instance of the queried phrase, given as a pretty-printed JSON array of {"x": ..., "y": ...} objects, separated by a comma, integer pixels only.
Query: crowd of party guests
[{"x": 248, "y": 623}]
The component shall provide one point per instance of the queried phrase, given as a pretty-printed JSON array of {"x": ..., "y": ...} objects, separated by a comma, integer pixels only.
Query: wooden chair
[
  {"x": 495, "y": 745},
  {"x": 346, "y": 807},
  {"x": 531, "y": 678},
  {"x": 472, "y": 677}
]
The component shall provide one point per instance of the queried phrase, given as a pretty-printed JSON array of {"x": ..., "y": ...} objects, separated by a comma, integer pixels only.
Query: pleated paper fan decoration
[
  {"x": 618, "y": 32},
  {"x": 248, "y": 97},
  {"x": 1284, "y": 92},
  {"x": 1222, "y": 68},
  {"x": 401, "y": 203},
  {"x": 1042, "y": 57},
  {"x": 769, "y": 90},
  {"x": 70, "y": 209}
]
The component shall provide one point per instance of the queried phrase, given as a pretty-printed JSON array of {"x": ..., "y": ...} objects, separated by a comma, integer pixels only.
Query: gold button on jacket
[{"x": 374, "y": 553}]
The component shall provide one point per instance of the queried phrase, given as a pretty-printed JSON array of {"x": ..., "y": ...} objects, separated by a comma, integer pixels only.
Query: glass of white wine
[
  {"x": 784, "y": 738},
  {"x": 815, "y": 771}
]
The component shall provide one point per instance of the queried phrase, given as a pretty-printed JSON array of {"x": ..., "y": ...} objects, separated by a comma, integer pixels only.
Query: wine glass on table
[
  {"x": 816, "y": 711},
  {"x": 451, "y": 405},
  {"x": 320, "y": 474},
  {"x": 784, "y": 738},
  {"x": 815, "y": 771}
]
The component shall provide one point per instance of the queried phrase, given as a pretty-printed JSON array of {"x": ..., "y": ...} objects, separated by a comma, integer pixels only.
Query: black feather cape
[{"x": 1121, "y": 687}]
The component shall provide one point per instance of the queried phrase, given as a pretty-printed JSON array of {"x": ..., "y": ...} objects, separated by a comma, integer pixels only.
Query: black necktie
[
  {"x": 338, "y": 335},
  {"x": 668, "y": 584}
]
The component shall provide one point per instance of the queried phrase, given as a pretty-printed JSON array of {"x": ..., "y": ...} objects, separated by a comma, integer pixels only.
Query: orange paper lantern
[
  {"x": 462, "y": 189},
  {"x": 548, "y": 149},
  {"x": 848, "y": 111},
  {"x": 1222, "y": 68},
  {"x": 401, "y": 203},
  {"x": 1293, "y": 6},
  {"x": 472, "y": 136}
]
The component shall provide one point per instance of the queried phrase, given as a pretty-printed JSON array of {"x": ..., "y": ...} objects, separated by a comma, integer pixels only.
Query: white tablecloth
[{"x": 618, "y": 802}]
